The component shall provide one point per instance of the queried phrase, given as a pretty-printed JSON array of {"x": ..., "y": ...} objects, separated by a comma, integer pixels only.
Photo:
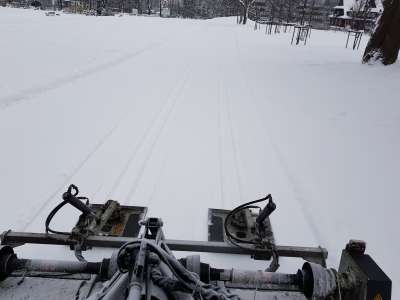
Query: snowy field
[{"x": 183, "y": 115}]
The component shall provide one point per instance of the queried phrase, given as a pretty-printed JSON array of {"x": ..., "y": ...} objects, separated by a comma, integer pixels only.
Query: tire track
[
  {"x": 80, "y": 165},
  {"x": 235, "y": 151},
  {"x": 219, "y": 124},
  {"x": 294, "y": 185},
  {"x": 157, "y": 182},
  {"x": 29, "y": 93},
  {"x": 101, "y": 142},
  {"x": 225, "y": 103},
  {"x": 26, "y": 94},
  {"x": 140, "y": 145},
  {"x": 165, "y": 120}
]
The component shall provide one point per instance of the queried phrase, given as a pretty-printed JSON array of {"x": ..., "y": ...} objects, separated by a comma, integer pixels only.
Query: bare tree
[
  {"x": 359, "y": 13},
  {"x": 290, "y": 9},
  {"x": 284, "y": 10},
  {"x": 384, "y": 44},
  {"x": 277, "y": 8},
  {"x": 245, "y": 5},
  {"x": 303, "y": 14}
]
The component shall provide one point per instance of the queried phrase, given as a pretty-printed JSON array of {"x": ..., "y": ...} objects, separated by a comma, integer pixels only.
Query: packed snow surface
[{"x": 185, "y": 115}]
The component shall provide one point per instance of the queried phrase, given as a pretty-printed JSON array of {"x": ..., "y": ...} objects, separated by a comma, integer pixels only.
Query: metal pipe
[
  {"x": 261, "y": 277},
  {"x": 57, "y": 266},
  {"x": 20, "y": 238},
  {"x": 117, "y": 288},
  {"x": 256, "y": 279},
  {"x": 135, "y": 288}
]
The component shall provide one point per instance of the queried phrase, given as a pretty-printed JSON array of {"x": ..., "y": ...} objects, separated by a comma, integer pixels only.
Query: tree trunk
[
  {"x": 303, "y": 15},
  {"x": 384, "y": 44},
  {"x": 245, "y": 14}
]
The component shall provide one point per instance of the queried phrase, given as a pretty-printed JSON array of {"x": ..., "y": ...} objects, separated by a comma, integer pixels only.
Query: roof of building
[{"x": 348, "y": 4}]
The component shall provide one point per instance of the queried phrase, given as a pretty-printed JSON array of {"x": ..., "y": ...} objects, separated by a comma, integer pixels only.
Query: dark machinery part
[
  {"x": 113, "y": 220},
  {"x": 315, "y": 281},
  {"x": 245, "y": 228},
  {"x": 113, "y": 225},
  {"x": 110, "y": 219},
  {"x": 10, "y": 263},
  {"x": 241, "y": 219},
  {"x": 358, "y": 279},
  {"x": 144, "y": 268},
  {"x": 361, "y": 277},
  {"x": 307, "y": 280},
  {"x": 246, "y": 225},
  {"x": 152, "y": 228},
  {"x": 7, "y": 261},
  {"x": 70, "y": 196},
  {"x": 21, "y": 238},
  {"x": 266, "y": 211},
  {"x": 107, "y": 219}
]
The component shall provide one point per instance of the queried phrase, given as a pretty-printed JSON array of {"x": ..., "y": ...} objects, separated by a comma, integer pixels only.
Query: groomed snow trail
[{"x": 184, "y": 115}]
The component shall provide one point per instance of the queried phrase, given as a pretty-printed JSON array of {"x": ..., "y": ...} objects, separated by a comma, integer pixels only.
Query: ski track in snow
[
  {"x": 35, "y": 91},
  {"x": 202, "y": 114},
  {"x": 219, "y": 137},
  {"x": 278, "y": 155},
  {"x": 156, "y": 187},
  {"x": 164, "y": 121},
  {"x": 160, "y": 118},
  {"x": 59, "y": 190}
]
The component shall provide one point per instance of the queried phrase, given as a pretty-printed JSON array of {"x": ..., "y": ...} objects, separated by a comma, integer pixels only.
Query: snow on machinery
[{"x": 143, "y": 267}]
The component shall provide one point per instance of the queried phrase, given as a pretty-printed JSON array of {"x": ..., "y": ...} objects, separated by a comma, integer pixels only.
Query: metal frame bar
[{"x": 19, "y": 238}]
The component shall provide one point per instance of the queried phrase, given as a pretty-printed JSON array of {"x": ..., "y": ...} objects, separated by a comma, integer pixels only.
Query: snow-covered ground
[{"x": 183, "y": 115}]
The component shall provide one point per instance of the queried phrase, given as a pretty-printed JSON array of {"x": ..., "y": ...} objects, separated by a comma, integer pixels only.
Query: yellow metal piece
[{"x": 378, "y": 297}]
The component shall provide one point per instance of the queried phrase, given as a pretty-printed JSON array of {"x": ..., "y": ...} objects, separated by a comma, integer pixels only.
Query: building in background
[
  {"x": 356, "y": 14},
  {"x": 313, "y": 12}
]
